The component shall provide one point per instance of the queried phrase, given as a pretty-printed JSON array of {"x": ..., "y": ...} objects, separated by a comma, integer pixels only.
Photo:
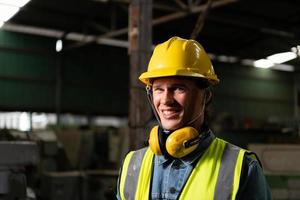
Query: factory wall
[
  {"x": 27, "y": 75},
  {"x": 33, "y": 77},
  {"x": 248, "y": 92}
]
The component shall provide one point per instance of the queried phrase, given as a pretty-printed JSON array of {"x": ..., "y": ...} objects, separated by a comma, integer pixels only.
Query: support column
[
  {"x": 58, "y": 85},
  {"x": 297, "y": 100},
  {"x": 140, "y": 42}
]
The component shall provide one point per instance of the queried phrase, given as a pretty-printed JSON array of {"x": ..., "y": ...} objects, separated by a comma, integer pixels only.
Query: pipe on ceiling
[{"x": 59, "y": 34}]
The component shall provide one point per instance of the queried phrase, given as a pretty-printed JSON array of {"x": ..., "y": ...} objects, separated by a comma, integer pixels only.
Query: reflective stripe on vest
[
  {"x": 229, "y": 172},
  {"x": 131, "y": 180},
  {"x": 216, "y": 175},
  {"x": 136, "y": 169}
]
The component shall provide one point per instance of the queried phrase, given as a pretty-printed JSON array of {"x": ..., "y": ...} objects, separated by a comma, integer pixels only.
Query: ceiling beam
[
  {"x": 171, "y": 17},
  {"x": 181, "y": 4},
  {"x": 105, "y": 39},
  {"x": 82, "y": 38},
  {"x": 256, "y": 27}
]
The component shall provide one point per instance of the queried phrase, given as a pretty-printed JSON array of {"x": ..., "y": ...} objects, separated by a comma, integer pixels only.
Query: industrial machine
[{"x": 15, "y": 157}]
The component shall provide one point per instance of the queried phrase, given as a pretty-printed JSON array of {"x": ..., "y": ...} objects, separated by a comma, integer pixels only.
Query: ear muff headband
[{"x": 179, "y": 143}]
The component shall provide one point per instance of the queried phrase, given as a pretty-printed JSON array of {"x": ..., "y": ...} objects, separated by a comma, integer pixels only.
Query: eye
[
  {"x": 179, "y": 89},
  {"x": 157, "y": 89}
]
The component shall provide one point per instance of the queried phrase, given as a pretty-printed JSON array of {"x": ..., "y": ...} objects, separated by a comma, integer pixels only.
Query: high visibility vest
[{"x": 216, "y": 175}]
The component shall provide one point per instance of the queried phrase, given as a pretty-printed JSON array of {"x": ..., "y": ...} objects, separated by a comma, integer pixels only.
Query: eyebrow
[{"x": 171, "y": 85}]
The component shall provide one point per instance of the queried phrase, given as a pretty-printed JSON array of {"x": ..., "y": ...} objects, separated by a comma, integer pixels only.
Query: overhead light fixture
[
  {"x": 272, "y": 62},
  {"x": 7, "y": 11},
  {"x": 296, "y": 50},
  {"x": 8, "y": 8},
  {"x": 263, "y": 63},
  {"x": 275, "y": 61},
  {"x": 16, "y": 3},
  {"x": 59, "y": 45},
  {"x": 284, "y": 67},
  {"x": 279, "y": 58}
]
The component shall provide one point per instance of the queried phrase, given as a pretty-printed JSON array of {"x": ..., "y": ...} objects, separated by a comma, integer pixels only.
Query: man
[{"x": 185, "y": 160}]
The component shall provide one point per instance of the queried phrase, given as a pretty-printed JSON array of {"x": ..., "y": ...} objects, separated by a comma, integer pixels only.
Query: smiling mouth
[{"x": 170, "y": 114}]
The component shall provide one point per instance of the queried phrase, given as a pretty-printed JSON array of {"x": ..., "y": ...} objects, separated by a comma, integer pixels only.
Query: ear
[{"x": 208, "y": 96}]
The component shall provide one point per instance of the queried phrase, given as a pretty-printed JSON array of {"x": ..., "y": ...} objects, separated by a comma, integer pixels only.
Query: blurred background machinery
[
  {"x": 281, "y": 167},
  {"x": 66, "y": 164},
  {"x": 16, "y": 159}
]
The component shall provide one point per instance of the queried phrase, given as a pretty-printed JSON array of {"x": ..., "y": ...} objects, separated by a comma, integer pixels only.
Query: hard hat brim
[{"x": 159, "y": 73}]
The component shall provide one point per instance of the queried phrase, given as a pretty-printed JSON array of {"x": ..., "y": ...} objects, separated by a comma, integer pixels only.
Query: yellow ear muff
[
  {"x": 176, "y": 143},
  {"x": 154, "y": 141},
  {"x": 179, "y": 144}
]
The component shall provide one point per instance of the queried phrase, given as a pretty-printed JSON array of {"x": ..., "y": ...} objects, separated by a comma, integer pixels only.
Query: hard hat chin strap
[
  {"x": 201, "y": 113},
  {"x": 150, "y": 100}
]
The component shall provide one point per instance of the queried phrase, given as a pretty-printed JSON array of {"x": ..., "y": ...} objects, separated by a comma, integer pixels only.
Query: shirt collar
[{"x": 194, "y": 156}]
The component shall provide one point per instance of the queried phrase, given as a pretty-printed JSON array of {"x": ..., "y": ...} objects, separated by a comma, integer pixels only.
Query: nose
[{"x": 167, "y": 97}]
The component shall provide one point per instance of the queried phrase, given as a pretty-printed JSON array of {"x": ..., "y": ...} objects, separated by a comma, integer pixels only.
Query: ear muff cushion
[
  {"x": 175, "y": 144},
  {"x": 154, "y": 142}
]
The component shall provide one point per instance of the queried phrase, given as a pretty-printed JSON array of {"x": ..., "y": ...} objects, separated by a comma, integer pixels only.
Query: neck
[{"x": 197, "y": 124}]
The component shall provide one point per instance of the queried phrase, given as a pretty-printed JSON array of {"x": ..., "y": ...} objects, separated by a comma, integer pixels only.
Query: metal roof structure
[{"x": 245, "y": 29}]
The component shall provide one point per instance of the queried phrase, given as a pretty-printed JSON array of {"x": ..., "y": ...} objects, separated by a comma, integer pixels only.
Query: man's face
[{"x": 178, "y": 101}]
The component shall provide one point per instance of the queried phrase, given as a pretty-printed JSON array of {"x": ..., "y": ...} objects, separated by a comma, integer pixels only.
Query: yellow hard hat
[{"x": 179, "y": 57}]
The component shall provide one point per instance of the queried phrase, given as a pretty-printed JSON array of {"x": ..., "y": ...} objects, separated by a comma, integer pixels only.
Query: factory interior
[{"x": 72, "y": 107}]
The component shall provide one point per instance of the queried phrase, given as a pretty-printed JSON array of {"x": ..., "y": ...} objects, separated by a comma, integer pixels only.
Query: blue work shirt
[{"x": 170, "y": 175}]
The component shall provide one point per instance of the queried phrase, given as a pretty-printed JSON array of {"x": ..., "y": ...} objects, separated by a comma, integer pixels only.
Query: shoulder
[
  {"x": 142, "y": 150},
  {"x": 253, "y": 179},
  {"x": 136, "y": 155},
  {"x": 250, "y": 159},
  {"x": 135, "y": 152}
]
